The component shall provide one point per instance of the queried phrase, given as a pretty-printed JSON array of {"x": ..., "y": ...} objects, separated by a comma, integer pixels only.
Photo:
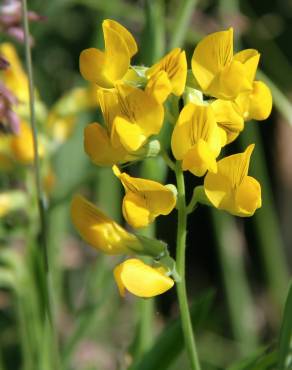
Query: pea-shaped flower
[
  {"x": 219, "y": 72},
  {"x": 144, "y": 199},
  {"x": 140, "y": 279},
  {"x": 231, "y": 189},
  {"x": 131, "y": 117},
  {"x": 174, "y": 68},
  {"x": 100, "y": 231},
  {"x": 111, "y": 65},
  {"x": 196, "y": 139}
]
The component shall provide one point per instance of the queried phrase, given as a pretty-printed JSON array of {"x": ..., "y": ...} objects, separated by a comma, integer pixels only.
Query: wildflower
[
  {"x": 220, "y": 73},
  {"x": 140, "y": 279},
  {"x": 174, "y": 64},
  {"x": 107, "y": 67},
  {"x": 131, "y": 117},
  {"x": 196, "y": 139},
  {"x": 159, "y": 86},
  {"x": 144, "y": 199},
  {"x": 100, "y": 231},
  {"x": 231, "y": 189}
]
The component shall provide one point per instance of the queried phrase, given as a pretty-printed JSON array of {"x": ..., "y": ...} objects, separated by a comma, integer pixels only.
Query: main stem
[{"x": 180, "y": 265}]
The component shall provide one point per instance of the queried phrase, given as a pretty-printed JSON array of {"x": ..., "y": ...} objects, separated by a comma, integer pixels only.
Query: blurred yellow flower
[
  {"x": 111, "y": 65},
  {"x": 196, "y": 139},
  {"x": 231, "y": 189},
  {"x": 100, "y": 231},
  {"x": 174, "y": 64},
  {"x": 140, "y": 279},
  {"x": 131, "y": 117},
  {"x": 144, "y": 199},
  {"x": 220, "y": 73},
  {"x": 21, "y": 145}
]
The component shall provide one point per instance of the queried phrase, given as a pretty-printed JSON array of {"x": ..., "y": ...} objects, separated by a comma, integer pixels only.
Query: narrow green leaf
[
  {"x": 285, "y": 345},
  {"x": 170, "y": 342},
  {"x": 263, "y": 359}
]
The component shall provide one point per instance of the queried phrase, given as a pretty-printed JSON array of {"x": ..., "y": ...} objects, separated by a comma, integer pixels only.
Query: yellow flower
[
  {"x": 231, "y": 189},
  {"x": 111, "y": 65},
  {"x": 144, "y": 199},
  {"x": 196, "y": 139},
  {"x": 218, "y": 71},
  {"x": 174, "y": 64},
  {"x": 140, "y": 279},
  {"x": 21, "y": 145},
  {"x": 256, "y": 104},
  {"x": 100, "y": 231},
  {"x": 159, "y": 86},
  {"x": 14, "y": 76},
  {"x": 131, "y": 117},
  {"x": 228, "y": 118}
]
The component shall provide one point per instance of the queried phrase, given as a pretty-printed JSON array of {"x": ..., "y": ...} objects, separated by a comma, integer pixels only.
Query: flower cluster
[{"x": 219, "y": 94}]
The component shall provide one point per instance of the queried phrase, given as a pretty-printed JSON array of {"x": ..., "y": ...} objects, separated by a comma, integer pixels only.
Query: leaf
[
  {"x": 285, "y": 344},
  {"x": 263, "y": 359},
  {"x": 170, "y": 343}
]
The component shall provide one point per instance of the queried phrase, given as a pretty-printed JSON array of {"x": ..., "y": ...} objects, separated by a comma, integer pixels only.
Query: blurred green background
[{"x": 238, "y": 270}]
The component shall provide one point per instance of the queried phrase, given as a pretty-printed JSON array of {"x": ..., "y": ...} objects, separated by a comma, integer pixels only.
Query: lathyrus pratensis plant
[{"x": 219, "y": 94}]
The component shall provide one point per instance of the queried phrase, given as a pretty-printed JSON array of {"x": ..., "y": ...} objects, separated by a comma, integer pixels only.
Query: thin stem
[
  {"x": 180, "y": 261},
  {"x": 167, "y": 160},
  {"x": 37, "y": 170},
  {"x": 47, "y": 295}
]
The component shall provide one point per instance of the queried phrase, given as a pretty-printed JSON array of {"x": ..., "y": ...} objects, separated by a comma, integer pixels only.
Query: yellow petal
[
  {"x": 260, "y": 102},
  {"x": 230, "y": 82},
  {"x": 140, "y": 279},
  {"x": 159, "y": 86},
  {"x": 250, "y": 58},
  {"x": 248, "y": 197},
  {"x": 117, "y": 56},
  {"x": 211, "y": 55},
  {"x": 199, "y": 159},
  {"x": 144, "y": 200},
  {"x": 228, "y": 118},
  {"x": 108, "y": 101},
  {"x": 218, "y": 190},
  {"x": 98, "y": 230},
  {"x": 235, "y": 167},
  {"x": 124, "y": 34},
  {"x": 140, "y": 108},
  {"x": 230, "y": 189},
  {"x": 92, "y": 64},
  {"x": 195, "y": 122},
  {"x": 98, "y": 147},
  {"x": 128, "y": 134},
  {"x": 135, "y": 211},
  {"x": 175, "y": 65}
]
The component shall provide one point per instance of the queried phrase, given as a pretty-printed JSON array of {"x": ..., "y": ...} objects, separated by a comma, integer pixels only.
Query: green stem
[
  {"x": 47, "y": 294},
  {"x": 37, "y": 167},
  {"x": 180, "y": 261}
]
